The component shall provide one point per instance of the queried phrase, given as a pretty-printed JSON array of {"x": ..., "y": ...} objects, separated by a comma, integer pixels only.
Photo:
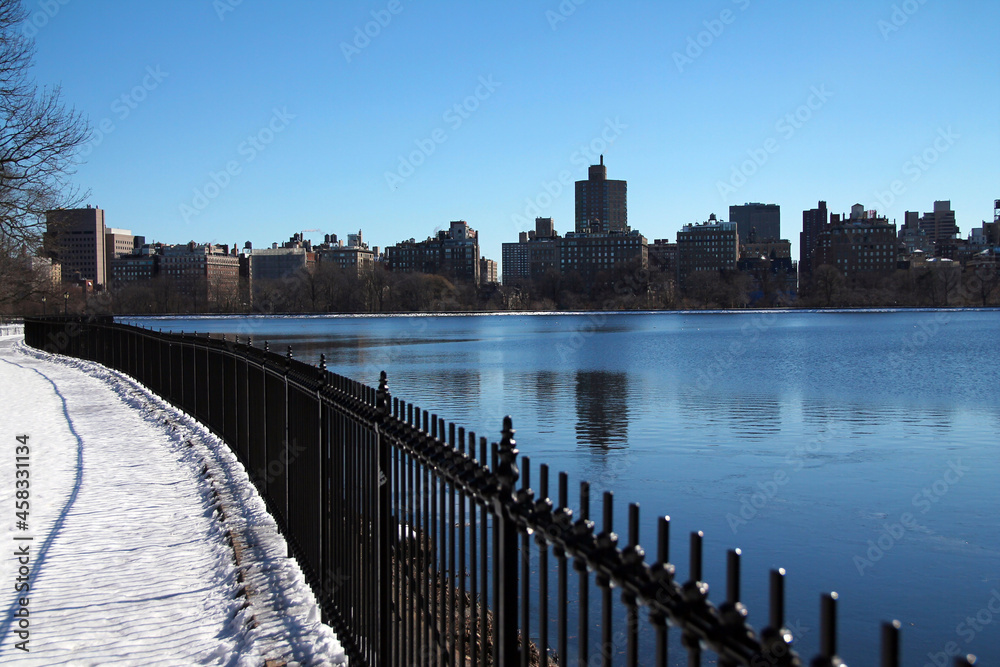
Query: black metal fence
[{"x": 425, "y": 544}]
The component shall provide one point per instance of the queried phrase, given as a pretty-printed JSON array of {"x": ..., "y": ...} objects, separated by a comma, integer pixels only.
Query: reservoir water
[{"x": 859, "y": 450}]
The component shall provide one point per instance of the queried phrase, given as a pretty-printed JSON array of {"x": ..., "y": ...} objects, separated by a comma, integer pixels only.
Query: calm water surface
[{"x": 858, "y": 450}]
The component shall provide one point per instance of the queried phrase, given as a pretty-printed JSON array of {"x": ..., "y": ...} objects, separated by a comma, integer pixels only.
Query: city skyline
[{"x": 244, "y": 134}]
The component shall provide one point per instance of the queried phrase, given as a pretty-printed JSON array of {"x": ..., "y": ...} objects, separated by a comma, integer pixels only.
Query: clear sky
[{"x": 236, "y": 120}]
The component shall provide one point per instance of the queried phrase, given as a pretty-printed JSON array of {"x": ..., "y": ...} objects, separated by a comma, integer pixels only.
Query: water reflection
[{"x": 602, "y": 410}]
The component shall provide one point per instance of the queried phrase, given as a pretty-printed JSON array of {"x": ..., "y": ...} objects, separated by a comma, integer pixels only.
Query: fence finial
[
  {"x": 321, "y": 370},
  {"x": 382, "y": 395},
  {"x": 507, "y": 469}
]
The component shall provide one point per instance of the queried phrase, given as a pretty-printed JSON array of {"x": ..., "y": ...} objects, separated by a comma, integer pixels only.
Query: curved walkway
[{"x": 126, "y": 552}]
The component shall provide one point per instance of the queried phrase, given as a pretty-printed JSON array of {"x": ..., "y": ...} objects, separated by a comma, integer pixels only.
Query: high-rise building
[
  {"x": 142, "y": 264},
  {"x": 514, "y": 260},
  {"x": 208, "y": 274},
  {"x": 591, "y": 254},
  {"x": 453, "y": 253},
  {"x": 709, "y": 246},
  {"x": 75, "y": 237},
  {"x": 487, "y": 271},
  {"x": 601, "y": 205},
  {"x": 663, "y": 256},
  {"x": 938, "y": 226},
  {"x": 757, "y": 222},
  {"x": 913, "y": 237},
  {"x": 356, "y": 257},
  {"x": 118, "y": 243},
  {"x": 813, "y": 223},
  {"x": 276, "y": 263},
  {"x": 863, "y": 243},
  {"x": 585, "y": 255},
  {"x": 544, "y": 228}
]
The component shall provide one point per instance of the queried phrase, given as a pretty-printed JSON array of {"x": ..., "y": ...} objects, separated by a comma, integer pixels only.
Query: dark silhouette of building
[
  {"x": 863, "y": 243},
  {"x": 763, "y": 220},
  {"x": 453, "y": 253},
  {"x": 814, "y": 221},
  {"x": 663, "y": 256},
  {"x": 208, "y": 274},
  {"x": 939, "y": 226},
  {"x": 77, "y": 239},
  {"x": 601, "y": 205},
  {"x": 710, "y": 246},
  {"x": 591, "y": 254},
  {"x": 586, "y": 254}
]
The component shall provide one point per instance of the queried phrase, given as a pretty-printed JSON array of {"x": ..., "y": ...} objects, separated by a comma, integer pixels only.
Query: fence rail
[{"x": 417, "y": 536}]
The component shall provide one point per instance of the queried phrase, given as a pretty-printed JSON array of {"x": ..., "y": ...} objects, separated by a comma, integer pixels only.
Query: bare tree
[
  {"x": 39, "y": 140},
  {"x": 827, "y": 283},
  {"x": 21, "y": 282}
]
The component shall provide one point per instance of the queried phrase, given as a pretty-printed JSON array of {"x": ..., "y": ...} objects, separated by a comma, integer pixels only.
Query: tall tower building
[
  {"x": 601, "y": 205},
  {"x": 764, "y": 220},
  {"x": 813, "y": 223},
  {"x": 76, "y": 237},
  {"x": 939, "y": 226}
]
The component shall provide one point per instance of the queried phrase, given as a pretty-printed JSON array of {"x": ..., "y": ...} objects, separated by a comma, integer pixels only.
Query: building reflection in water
[{"x": 602, "y": 409}]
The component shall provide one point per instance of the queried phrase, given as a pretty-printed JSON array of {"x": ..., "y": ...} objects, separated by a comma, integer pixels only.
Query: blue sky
[{"x": 236, "y": 120}]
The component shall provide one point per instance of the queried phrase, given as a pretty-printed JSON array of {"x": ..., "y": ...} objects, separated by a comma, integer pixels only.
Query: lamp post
[
  {"x": 65, "y": 303},
  {"x": 43, "y": 306}
]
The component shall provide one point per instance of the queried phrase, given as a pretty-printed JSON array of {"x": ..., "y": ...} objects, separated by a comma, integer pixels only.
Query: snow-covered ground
[{"x": 130, "y": 509}]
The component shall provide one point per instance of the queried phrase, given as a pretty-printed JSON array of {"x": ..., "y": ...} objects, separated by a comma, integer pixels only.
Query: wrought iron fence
[{"x": 417, "y": 536}]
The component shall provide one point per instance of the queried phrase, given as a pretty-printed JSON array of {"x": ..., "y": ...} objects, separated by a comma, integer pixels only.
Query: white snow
[{"x": 130, "y": 558}]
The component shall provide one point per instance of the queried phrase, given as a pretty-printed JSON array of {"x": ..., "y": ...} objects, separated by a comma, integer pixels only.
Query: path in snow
[{"x": 133, "y": 508}]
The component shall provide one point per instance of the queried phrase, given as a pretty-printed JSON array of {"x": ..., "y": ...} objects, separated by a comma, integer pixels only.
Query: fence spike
[
  {"x": 827, "y": 631},
  {"x": 733, "y": 576},
  {"x": 696, "y": 556},
  {"x": 382, "y": 395},
  {"x": 890, "y": 644},
  {"x": 663, "y": 540},
  {"x": 507, "y": 464}
]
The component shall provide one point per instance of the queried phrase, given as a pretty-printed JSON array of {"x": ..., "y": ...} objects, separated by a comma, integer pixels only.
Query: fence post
[
  {"x": 507, "y": 564},
  {"x": 386, "y": 528}
]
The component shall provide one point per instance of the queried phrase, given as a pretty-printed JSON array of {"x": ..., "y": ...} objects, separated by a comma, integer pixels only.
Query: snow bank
[{"x": 133, "y": 511}]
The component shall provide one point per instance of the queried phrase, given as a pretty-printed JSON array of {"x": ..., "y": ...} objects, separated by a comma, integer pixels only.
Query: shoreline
[{"x": 522, "y": 313}]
